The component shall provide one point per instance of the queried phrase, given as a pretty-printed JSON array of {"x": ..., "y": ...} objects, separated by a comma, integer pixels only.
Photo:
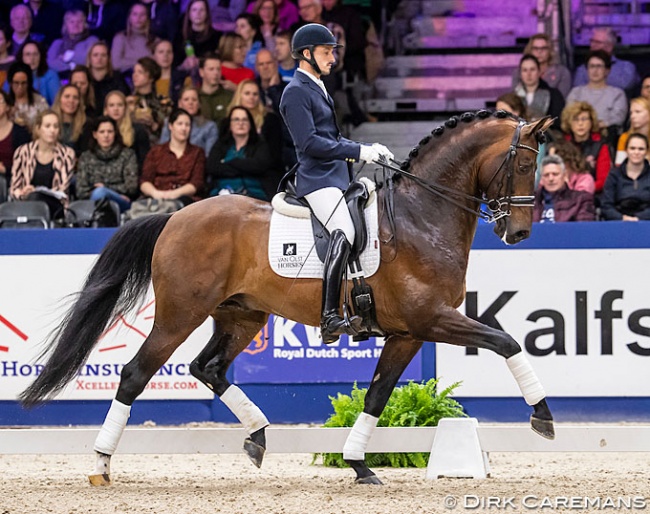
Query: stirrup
[{"x": 333, "y": 326}]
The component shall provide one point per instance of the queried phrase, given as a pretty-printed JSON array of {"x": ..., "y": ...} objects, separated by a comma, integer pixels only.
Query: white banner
[
  {"x": 32, "y": 304},
  {"x": 581, "y": 316}
]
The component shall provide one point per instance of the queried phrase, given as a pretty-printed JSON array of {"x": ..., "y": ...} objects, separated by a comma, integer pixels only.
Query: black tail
[{"x": 115, "y": 284}]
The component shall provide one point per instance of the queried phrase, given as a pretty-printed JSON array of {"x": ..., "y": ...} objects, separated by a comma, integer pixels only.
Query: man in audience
[
  {"x": 21, "y": 20},
  {"x": 213, "y": 96},
  {"x": 554, "y": 201},
  {"x": 287, "y": 65},
  {"x": 269, "y": 80},
  {"x": 624, "y": 74}
]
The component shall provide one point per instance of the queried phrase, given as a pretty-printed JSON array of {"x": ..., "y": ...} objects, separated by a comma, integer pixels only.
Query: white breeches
[{"x": 323, "y": 201}]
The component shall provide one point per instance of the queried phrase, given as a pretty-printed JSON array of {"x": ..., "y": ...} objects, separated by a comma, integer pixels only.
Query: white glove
[
  {"x": 383, "y": 151},
  {"x": 374, "y": 153}
]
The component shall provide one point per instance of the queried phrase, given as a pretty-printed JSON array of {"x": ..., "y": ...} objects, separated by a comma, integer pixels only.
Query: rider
[{"x": 324, "y": 161}]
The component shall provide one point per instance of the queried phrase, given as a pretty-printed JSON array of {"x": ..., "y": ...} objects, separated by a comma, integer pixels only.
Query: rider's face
[{"x": 324, "y": 57}]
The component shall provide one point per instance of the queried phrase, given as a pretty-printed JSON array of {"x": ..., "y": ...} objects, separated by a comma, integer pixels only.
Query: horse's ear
[{"x": 541, "y": 125}]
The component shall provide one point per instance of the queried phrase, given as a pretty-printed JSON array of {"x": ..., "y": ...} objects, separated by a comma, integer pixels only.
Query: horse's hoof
[
  {"x": 99, "y": 480},
  {"x": 254, "y": 451},
  {"x": 372, "y": 480},
  {"x": 543, "y": 427}
]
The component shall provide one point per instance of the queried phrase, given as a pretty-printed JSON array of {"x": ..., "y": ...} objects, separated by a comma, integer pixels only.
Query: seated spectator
[
  {"x": 105, "y": 19},
  {"x": 133, "y": 135},
  {"x": 107, "y": 169},
  {"x": 69, "y": 107},
  {"x": 43, "y": 163},
  {"x": 267, "y": 11},
  {"x": 80, "y": 77},
  {"x": 626, "y": 195},
  {"x": 135, "y": 42},
  {"x": 267, "y": 123},
  {"x": 623, "y": 75},
  {"x": 287, "y": 12},
  {"x": 21, "y": 20},
  {"x": 204, "y": 132},
  {"x": 213, "y": 96},
  {"x": 232, "y": 49},
  {"x": 144, "y": 104},
  {"x": 354, "y": 28},
  {"x": 172, "y": 80},
  {"x": 11, "y": 137},
  {"x": 269, "y": 80},
  {"x": 238, "y": 163},
  {"x": 553, "y": 73},
  {"x": 103, "y": 77},
  {"x": 196, "y": 37},
  {"x": 225, "y": 12},
  {"x": 46, "y": 80},
  {"x": 248, "y": 27},
  {"x": 645, "y": 87},
  {"x": 287, "y": 65},
  {"x": 578, "y": 176},
  {"x": 47, "y": 18},
  {"x": 175, "y": 170},
  {"x": 580, "y": 126},
  {"x": 164, "y": 16},
  {"x": 554, "y": 201},
  {"x": 540, "y": 99},
  {"x": 27, "y": 102},
  {"x": 639, "y": 124},
  {"x": 512, "y": 103},
  {"x": 72, "y": 48},
  {"x": 609, "y": 102},
  {"x": 5, "y": 57}
]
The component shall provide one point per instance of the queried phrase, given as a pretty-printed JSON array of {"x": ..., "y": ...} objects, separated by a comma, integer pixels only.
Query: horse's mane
[{"x": 452, "y": 123}]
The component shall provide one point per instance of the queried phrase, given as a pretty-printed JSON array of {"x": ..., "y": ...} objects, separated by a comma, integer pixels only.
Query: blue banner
[{"x": 285, "y": 352}]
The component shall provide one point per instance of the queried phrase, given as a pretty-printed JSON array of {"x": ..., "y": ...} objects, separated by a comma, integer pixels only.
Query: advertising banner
[{"x": 582, "y": 316}]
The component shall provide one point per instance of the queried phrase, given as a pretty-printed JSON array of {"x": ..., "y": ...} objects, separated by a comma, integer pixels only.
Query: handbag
[{"x": 150, "y": 206}]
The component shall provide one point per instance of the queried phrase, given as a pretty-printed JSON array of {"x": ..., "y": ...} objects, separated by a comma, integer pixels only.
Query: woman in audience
[
  {"x": 46, "y": 80},
  {"x": 268, "y": 14},
  {"x": 27, "y": 103},
  {"x": 72, "y": 116},
  {"x": 133, "y": 135},
  {"x": 11, "y": 137},
  {"x": 639, "y": 124},
  {"x": 626, "y": 195},
  {"x": 554, "y": 74},
  {"x": 196, "y": 38},
  {"x": 144, "y": 103},
  {"x": 175, "y": 170},
  {"x": 232, "y": 48},
  {"x": 172, "y": 80},
  {"x": 43, "y": 163},
  {"x": 248, "y": 27},
  {"x": 512, "y": 103},
  {"x": 80, "y": 77},
  {"x": 578, "y": 176},
  {"x": 72, "y": 48},
  {"x": 288, "y": 13},
  {"x": 580, "y": 126},
  {"x": 107, "y": 169},
  {"x": 540, "y": 99},
  {"x": 6, "y": 58},
  {"x": 204, "y": 132},
  {"x": 267, "y": 123},
  {"x": 134, "y": 42},
  {"x": 103, "y": 77},
  {"x": 239, "y": 162}
]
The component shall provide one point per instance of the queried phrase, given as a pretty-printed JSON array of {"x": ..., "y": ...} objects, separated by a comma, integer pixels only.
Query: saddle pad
[{"x": 292, "y": 253}]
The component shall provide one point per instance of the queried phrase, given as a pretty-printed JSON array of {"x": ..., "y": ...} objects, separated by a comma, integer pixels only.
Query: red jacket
[{"x": 599, "y": 160}]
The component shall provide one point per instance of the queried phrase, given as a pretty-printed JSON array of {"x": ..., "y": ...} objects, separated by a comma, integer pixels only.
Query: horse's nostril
[{"x": 522, "y": 234}]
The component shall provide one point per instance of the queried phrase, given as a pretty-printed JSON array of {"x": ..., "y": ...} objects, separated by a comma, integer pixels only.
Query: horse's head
[{"x": 511, "y": 187}]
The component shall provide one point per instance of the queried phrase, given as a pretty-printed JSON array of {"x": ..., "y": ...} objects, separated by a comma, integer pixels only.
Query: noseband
[{"x": 499, "y": 207}]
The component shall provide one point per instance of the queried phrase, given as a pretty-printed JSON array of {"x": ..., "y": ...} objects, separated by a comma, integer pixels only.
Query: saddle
[{"x": 356, "y": 197}]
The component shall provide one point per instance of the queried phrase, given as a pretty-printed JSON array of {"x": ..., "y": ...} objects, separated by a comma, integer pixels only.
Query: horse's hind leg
[
  {"x": 397, "y": 353},
  {"x": 455, "y": 328},
  {"x": 235, "y": 328}
]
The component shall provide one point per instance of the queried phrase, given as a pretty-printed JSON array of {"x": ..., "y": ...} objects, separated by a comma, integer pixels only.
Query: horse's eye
[{"x": 525, "y": 168}]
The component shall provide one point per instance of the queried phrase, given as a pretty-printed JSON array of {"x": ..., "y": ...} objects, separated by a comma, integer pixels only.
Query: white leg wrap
[
  {"x": 103, "y": 465},
  {"x": 526, "y": 378},
  {"x": 357, "y": 442},
  {"x": 246, "y": 411},
  {"x": 112, "y": 429}
]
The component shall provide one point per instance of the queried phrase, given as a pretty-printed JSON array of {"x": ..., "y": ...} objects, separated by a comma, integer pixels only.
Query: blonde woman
[
  {"x": 639, "y": 124},
  {"x": 134, "y": 42},
  {"x": 71, "y": 111},
  {"x": 133, "y": 135}
]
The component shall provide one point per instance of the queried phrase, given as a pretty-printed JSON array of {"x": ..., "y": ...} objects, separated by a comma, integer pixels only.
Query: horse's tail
[{"x": 114, "y": 285}]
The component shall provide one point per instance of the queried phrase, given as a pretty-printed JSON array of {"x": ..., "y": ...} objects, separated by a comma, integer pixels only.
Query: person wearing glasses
[
  {"x": 27, "y": 102},
  {"x": 325, "y": 158}
]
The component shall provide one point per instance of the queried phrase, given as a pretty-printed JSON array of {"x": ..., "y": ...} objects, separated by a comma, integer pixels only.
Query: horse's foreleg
[
  {"x": 235, "y": 328},
  {"x": 455, "y": 328},
  {"x": 397, "y": 353}
]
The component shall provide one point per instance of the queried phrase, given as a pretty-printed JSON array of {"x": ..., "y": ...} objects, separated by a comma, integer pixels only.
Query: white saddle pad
[{"x": 292, "y": 253}]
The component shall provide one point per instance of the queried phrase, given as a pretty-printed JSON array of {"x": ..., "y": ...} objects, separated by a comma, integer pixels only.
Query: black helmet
[{"x": 309, "y": 36}]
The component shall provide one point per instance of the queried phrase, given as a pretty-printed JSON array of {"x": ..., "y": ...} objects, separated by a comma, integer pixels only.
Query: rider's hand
[
  {"x": 383, "y": 151},
  {"x": 368, "y": 153}
]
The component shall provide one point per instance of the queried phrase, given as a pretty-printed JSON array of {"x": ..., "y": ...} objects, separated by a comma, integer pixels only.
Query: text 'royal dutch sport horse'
[{"x": 210, "y": 259}]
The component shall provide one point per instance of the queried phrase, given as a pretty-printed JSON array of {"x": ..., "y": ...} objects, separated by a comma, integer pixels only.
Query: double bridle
[{"x": 499, "y": 207}]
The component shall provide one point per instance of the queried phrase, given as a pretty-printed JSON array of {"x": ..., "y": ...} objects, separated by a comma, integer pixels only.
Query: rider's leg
[{"x": 330, "y": 209}]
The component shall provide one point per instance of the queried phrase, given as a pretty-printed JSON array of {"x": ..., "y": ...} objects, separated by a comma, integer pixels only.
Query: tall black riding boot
[{"x": 332, "y": 325}]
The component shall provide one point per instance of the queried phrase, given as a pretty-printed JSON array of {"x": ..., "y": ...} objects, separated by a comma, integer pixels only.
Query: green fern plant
[{"x": 412, "y": 405}]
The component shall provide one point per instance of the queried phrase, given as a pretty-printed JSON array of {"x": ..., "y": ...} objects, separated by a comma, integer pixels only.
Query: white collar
[{"x": 318, "y": 81}]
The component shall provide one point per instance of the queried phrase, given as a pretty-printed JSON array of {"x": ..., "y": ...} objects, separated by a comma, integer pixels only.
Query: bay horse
[{"x": 210, "y": 259}]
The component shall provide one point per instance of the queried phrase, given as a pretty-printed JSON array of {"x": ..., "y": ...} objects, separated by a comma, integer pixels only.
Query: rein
[{"x": 496, "y": 205}]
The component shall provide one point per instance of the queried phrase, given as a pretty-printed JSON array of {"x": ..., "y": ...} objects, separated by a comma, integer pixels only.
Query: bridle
[{"x": 499, "y": 207}]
